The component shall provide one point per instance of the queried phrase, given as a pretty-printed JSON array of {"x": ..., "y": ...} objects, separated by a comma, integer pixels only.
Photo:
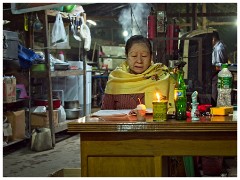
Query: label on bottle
[
  {"x": 225, "y": 82},
  {"x": 179, "y": 93}
]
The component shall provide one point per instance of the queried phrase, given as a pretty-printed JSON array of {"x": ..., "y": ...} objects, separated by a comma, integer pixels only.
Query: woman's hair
[{"x": 137, "y": 39}]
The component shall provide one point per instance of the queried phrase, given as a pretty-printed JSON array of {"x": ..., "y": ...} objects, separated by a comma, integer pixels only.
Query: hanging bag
[
  {"x": 41, "y": 139},
  {"x": 86, "y": 35},
  {"x": 58, "y": 31}
]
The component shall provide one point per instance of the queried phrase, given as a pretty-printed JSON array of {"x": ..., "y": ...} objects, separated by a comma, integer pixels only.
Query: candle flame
[{"x": 158, "y": 97}]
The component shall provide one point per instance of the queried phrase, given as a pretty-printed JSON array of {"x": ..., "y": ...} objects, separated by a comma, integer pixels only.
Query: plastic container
[
  {"x": 38, "y": 67},
  {"x": 224, "y": 87},
  {"x": 69, "y": 8},
  {"x": 61, "y": 56}
]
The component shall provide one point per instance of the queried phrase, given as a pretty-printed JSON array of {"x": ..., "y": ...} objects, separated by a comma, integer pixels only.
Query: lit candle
[
  {"x": 159, "y": 109},
  {"x": 141, "y": 111}
]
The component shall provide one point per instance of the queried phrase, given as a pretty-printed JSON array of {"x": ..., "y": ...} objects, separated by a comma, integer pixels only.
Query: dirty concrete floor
[{"x": 27, "y": 163}]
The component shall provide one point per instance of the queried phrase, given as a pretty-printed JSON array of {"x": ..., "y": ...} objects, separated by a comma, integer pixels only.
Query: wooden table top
[{"x": 130, "y": 124}]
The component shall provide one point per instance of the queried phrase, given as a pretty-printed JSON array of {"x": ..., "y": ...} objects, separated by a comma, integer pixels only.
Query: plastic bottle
[
  {"x": 61, "y": 56},
  {"x": 180, "y": 98},
  {"x": 224, "y": 87}
]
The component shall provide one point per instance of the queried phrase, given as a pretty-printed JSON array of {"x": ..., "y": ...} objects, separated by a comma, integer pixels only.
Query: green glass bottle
[{"x": 180, "y": 98}]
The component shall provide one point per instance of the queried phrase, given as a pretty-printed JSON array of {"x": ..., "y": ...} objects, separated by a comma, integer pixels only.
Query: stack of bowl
[{"x": 72, "y": 109}]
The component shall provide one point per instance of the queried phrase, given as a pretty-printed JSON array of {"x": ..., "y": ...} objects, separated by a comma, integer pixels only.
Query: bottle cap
[{"x": 224, "y": 66}]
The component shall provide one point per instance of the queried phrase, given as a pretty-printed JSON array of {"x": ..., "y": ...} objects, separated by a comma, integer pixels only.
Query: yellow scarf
[{"x": 155, "y": 79}]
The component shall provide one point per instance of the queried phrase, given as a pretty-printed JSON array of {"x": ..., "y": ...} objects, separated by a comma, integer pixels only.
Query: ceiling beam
[{"x": 173, "y": 15}]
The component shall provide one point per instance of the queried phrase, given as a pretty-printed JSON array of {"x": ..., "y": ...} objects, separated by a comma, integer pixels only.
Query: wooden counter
[{"x": 114, "y": 148}]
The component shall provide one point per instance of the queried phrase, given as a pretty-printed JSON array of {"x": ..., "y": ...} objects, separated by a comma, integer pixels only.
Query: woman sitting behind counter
[{"x": 138, "y": 78}]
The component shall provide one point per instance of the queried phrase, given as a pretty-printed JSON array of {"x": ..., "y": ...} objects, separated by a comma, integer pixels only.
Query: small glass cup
[{"x": 141, "y": 114}]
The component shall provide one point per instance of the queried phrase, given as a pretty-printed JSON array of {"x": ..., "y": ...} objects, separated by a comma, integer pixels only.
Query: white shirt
[{"x": 219, "y": 54}]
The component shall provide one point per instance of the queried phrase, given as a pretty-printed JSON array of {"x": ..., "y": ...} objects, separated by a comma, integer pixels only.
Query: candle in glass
[{"x": 159, "y": 109}]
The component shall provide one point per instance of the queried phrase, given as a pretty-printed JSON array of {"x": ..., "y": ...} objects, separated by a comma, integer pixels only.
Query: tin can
[{"x": 160, "y": 111}]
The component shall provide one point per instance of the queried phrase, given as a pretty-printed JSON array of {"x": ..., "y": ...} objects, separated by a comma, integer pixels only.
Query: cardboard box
[
  {"x": 67, "y": 172},
  {"x": 221, "y": 111},
  {"x": 40, "y": 119},
  {"x": 9, "y": 89},
  {"x": 17, "y": 121}
]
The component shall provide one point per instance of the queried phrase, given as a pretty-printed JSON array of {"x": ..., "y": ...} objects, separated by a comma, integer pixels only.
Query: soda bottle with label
[{"x": 180, "y": 98}]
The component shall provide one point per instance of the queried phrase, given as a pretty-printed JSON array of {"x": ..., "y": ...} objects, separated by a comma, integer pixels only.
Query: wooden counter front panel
[
  {"x": 121, "y": 166},
  {"x": 140, "y": 154}
]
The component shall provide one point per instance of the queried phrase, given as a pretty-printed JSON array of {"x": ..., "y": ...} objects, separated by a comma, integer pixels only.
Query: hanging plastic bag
[
  {"x": 62, "y": 116},
  {"x": 86, "y": 35},
  {"x": 58, "y": 31}
]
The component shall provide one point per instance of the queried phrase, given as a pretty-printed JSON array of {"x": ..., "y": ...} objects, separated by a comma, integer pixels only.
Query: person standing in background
[{"x": 219, "y": 56}]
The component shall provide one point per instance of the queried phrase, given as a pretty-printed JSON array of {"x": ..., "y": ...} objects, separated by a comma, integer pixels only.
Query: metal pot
[
  {"x": 73, "y": 113},
  {"x": 71, "y": 104}
]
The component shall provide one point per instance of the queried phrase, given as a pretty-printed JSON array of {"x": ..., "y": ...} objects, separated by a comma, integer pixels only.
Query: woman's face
[{"x": 138, "y": 58}]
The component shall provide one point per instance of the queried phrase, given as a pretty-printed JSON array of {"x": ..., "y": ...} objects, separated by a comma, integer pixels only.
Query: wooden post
[
  {"x": 204, "y": 19},
  {"x": 194, "y": 16},
  {"x": 49, "y": 79}
]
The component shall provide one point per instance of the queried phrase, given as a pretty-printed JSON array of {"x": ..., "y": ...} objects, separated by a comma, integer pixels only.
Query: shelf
[
  {"x": 113, "y": 57},
  {"x": 67, "y": 73},
  {"x": 9, "y": 59},
  {"x": 43, "y": 74},
  {"x": 13, "y": 142},
  {"x": 18, "y": 100},
  {"x": 63, "y": 125}
]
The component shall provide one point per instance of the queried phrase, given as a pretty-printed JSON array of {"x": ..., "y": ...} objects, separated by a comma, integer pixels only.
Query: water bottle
[
  {"x": 180, "y": 98},
  {"x": 224, "y": 87}
]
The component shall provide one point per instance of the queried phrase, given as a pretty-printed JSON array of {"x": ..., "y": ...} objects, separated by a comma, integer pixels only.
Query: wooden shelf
[
  {"x": 43, "y": 74},
  {"x": 18, "y": 100},
  {"x": 67, "y": 73},
  {"x": 62, "y": 125},
  {"x": 13, "y": 142},
  {"x": 113, "y": 57}
]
